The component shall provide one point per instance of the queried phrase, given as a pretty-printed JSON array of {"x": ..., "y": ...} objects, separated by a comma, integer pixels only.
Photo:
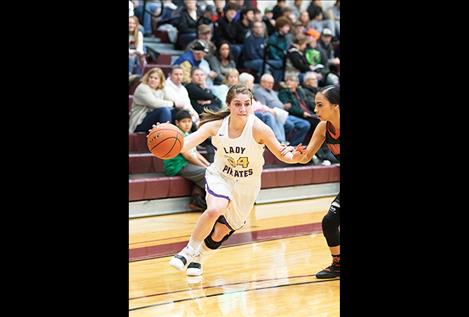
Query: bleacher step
[{"x": 156, "y": 207}]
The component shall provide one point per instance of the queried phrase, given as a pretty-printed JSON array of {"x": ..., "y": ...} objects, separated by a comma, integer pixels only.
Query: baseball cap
[
  {"x": 199, "y": 46},
  {"x": 326, "y": 31}
]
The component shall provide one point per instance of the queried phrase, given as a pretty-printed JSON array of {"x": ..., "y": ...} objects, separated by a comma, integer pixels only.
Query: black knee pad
[
  {"x": 330, "y": 225},
  {"x": 211, "y": 244}
]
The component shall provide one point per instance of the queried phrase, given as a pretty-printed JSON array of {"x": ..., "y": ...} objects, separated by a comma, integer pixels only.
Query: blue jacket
[
  {"x": 187, "y": 56},
  {"x": 253, "y": 48}
]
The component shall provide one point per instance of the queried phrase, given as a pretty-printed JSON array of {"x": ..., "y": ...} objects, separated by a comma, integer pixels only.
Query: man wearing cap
[
  {"x": 204, "y": 33},
  {"x": 325, "y": 44},
  {"x": 191, "y": 58}
]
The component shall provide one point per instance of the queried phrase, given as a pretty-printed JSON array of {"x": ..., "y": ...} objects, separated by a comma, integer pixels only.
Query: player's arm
[
  {"x": 204, "y": 132},
  {"x": 317, "y": 139},
  {"x": 203, "y": 159},
  {"x": 193, "y": 158},
  {"x": 263, "y": 134}
]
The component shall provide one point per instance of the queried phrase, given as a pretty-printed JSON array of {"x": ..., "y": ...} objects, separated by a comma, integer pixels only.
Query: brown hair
[
  {"x": 210, "y": 115},
  {"x": 281, "y": 22},
  {"x": 301, "y": 39}
]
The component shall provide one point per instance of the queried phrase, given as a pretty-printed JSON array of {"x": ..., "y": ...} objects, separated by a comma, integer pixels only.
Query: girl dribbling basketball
[{"x": 233, "y": 180}]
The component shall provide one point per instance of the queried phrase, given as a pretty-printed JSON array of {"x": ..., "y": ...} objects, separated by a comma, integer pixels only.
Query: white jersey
[
  {"x": 235, "y": 174},
  {"x": 241, "y": 158}
]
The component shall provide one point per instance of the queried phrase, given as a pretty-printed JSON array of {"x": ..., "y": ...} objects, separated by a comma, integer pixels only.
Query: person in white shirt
[{"x": 175, "y": 91}]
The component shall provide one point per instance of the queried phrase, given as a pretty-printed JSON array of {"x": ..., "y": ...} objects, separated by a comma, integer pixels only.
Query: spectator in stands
[
  {"x": 266, "y": 114},
  {"x": 174, "y": 90},
  {"x": 191, "y": 164},
  {"x": 168, "y": 14},
  {"x": 297, "y": 30},
  {"x": 315, "y": 56},
  {"x": 297, "y": 64},
  {"x": 208, "y": 16},
  {"x": 296, "y": 8},
  {"x": 203, "y": 4},
  {"x": 231, "y": 79},
  {"x": 219, "y": 5},
  {"x": 221, "y": 62},
  {"x": 304, "y": 19},
  {"x": 226, "y": 26},
  {"x": 136, "y": 52},
  {"x": 150, "y": 105},
  {"x": 191, "y": 58},
  {"x": 292, "y": 93},
  {"x": 269, "y": 21},
  {"x": 278, "y": 43},
  {"x": 201, "y": 97},
  {"x": 333, "y": 76},
  {"x": 152, "y": 8},
  {"x": 318, "y": 20},
  {"x": 243, "y": 29},
  {"x": 210, "y": 75},
  {"x": 287, "y": 12},
  {"x": 295, "y": 128},
  {"x": 131, "y": 8},
  {"x": 310, "y": 88},
  {"x": 257, "y": 15},
  {"x": 333, "y": 14},
  {"x": 204, "y": 37},
  {"x": 325, "y": 44},
  {"x": 277, "y": 10},
  {"x": 205, "y": 33},
  {"x": 253, "y": 54},
  {"x": 300, "y": 107},
  {"x": 187, "y": 25}
]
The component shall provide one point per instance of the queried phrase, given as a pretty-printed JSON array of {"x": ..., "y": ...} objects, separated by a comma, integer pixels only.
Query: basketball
[{"x": 165, "y": 141}]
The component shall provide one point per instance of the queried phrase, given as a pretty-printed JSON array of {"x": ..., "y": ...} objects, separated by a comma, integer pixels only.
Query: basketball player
[
  {"x": 328, "y": 130},
  {"x": 233, "y": 180}
]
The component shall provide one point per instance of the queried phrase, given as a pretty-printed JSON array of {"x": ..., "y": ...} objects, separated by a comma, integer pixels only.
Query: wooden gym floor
[{"x": 265, "y": 269}]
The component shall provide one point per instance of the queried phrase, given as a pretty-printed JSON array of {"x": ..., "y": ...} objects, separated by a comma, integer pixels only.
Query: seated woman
[
  {"x": 231, "y": 79},
  {"x": 221, "y": 62},
  {"x": 136, "y": 52},
  {"x": 150, "y": 104}
]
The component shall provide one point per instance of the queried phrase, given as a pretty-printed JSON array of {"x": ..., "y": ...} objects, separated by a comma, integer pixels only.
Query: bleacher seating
[{"x": 148, "y": 181}]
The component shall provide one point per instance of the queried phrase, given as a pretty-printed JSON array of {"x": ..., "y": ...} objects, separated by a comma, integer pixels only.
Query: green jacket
[
  {"x": 286, "y": 95},
  {"x": 173, "y": 166}
]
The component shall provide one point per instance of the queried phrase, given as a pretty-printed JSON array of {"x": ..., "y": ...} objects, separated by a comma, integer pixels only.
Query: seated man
[
  {"x": 295, "y": 128},
  {"x": 191, "y": 58},
  {"x": 199, "y": 94},
  {"x": 253, "y": 54}
]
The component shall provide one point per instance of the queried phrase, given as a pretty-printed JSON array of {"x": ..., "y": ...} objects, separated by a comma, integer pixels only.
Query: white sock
[
  {"x": 205, "y": 251},
  {"x": 194, "y": 244}
]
